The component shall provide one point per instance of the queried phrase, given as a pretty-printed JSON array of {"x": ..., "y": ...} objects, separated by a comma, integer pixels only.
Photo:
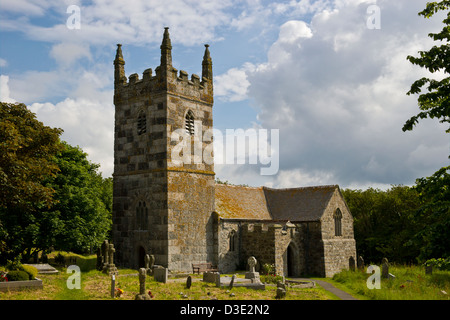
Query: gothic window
[
  {"x": 338, "y": 223},
  {"x": 189, "y": 123},
  {"x": 232, "y": 241},
  {"x": 141, "y": 216},
  {"x": 142, "y": 123}
]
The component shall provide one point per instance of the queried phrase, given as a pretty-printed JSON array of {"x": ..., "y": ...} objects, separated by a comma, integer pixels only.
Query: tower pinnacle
[
  {"x": 207, "y": 64},
  {"x": 119, "y": 62},
  {"x": 166, "y": 49}
]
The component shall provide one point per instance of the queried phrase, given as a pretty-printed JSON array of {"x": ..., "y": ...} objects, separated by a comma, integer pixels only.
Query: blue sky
[{"x": 333, "y": 87}]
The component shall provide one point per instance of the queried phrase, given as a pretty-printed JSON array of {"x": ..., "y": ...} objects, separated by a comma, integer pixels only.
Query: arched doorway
[
  {"x": 292, "y": 266},
  {"x": 141, "y": 257},
  {"x": 290, "y": 261}
]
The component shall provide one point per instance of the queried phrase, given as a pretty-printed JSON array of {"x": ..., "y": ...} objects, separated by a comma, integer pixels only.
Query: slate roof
[
  {"x": 296, "y": 204},
  {"x": 236, "y": 202}
]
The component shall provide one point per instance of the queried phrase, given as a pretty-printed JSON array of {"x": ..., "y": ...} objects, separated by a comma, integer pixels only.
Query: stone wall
[
  {"x": 161, "y": 207},
  {"x": 337, "y": 249},
  {"x": 228, "y": 253}
]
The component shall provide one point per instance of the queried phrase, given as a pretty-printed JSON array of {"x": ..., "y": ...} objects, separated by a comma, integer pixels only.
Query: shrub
[
  {"x": 31, "y": 271},
  {"x": 60, "y": 259},
  {"x": 441, "y": 264},
  {"x": 17, "y": 275},
  {"x": 13, "y": 265}
]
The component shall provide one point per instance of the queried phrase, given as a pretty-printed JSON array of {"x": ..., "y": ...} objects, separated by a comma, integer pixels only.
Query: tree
[
  {"x": 27, "y": 150},
  {"x": 51, "y": 195},
  {"x": 384, "y": 223},
  {"x": 84, "y": 202},
  {"x": 434, "y": 215},
  {"x": 436, "y": 102}
]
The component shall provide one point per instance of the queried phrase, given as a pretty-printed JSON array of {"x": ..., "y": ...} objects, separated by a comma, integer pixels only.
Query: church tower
[{"x": 163, "y": 196}]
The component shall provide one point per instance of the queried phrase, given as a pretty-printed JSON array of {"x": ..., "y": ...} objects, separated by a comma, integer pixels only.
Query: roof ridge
[{"x": 331, "y": 186}]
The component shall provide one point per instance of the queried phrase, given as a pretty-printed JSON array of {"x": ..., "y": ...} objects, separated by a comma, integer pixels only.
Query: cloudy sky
[{"x": 330, "y": 75}]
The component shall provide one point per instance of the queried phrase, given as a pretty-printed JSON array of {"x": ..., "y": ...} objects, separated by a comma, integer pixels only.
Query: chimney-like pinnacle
[
  {"x": 119, "y": 57},
  {"x": 166, "y": 49},
  {"x": 207, "y": 64}
]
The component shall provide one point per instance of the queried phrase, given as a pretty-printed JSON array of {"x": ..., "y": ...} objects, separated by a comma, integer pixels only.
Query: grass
[
  {"x": 96, "y": 285},
  {"x": 410, "y": 283}
]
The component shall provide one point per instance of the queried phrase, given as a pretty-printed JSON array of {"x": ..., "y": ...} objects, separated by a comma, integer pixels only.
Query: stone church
[{"x": 179, "y": 214}]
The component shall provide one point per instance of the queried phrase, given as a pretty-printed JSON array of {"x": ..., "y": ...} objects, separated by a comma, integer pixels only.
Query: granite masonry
[{"x": 176, "y": 212}]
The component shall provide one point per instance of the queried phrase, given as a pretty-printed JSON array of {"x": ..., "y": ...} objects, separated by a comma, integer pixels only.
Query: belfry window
[
  {"x": 189, "y": 123},
  {"x": 338, "y": 223},
  {"x": 142, "y": 123}
]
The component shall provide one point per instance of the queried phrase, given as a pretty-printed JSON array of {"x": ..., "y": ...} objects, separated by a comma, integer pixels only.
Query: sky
[{"x": 330, "y": 76}]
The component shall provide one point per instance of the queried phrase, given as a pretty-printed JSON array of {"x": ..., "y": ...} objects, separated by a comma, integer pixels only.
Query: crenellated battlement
[{"x": 166, "y": 78}]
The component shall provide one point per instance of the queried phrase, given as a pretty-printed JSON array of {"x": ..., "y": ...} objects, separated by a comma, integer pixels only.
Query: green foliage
[
  {"x": 17, "y": 275},
  {"x": 83, "y": 211},
  {"x": 434, "y": 192},
  {"x": 268, "y": 268},
  {"x": 60, "y": 259},
  {"x": 440, "y": 263},
  {"x": 27, "y": 150},
  {"x": 410, "y": 283},
  {"x": 435, "y": 103},
  {"x": 31, "y": 271},
  {"x": 51, "y": 195},
  {"x": 385, "y": 222}
]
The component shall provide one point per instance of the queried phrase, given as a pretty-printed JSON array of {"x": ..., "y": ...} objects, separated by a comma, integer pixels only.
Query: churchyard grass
[
  {"x": 410, "y": 283},
  {"x": 95, "y": 285}
]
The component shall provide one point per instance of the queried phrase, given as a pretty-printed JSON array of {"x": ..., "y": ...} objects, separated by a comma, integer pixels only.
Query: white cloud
[
  {"x": 233, "y": 85},
  {"x": 4, "y": 90},
  {"x": 67, "y": 53},
  {"x": 337, "y": 92},
  {"x": 86, "y": 122}
]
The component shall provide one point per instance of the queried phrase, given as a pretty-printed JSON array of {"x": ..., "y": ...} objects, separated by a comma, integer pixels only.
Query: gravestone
[
  {"x": 217, "y": 280},
  {"x": 233, "y": 279},
  {"x": 281, "y": 290},
  {"x": 142, "y": 294},
  {"x": 104, "y": 254},
  {"x": 149, "y": 263},
  {"x": 252, "y": 274},
  {"x": 110, "y": 267},
  {"x": 360, "y": 263},
  {"x": 351, "y": 263},
  {"x": 99, "y": 265},
  {"x": 188, "y": 282},
  {"x": 160, "y": 274},
  {"x": 429, "y": 270},
  {"x": 210, "y": 276},
  {"x": 385, "y": 268}
]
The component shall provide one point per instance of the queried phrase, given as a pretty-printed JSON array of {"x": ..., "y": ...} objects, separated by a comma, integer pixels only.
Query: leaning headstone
[
  {"x": 188, "y": 282},
  {"x": 142, "y": 294},
  {"x": 360, "y": 263},
  {"x": 160, "y": 274},
  {"x": 233, "y": 279},
  {"x": 385, "y": 268}
]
